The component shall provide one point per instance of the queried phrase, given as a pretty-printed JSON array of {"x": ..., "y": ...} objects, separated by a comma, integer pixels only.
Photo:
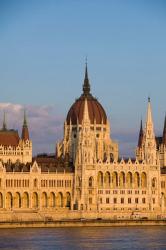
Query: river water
[{"x": 84, "y": 238}]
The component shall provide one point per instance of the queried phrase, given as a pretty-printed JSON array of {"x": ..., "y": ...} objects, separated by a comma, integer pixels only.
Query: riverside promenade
[{"x": 81, "y": 223}]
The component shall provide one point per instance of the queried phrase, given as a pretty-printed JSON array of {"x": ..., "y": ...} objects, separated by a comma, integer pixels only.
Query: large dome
[{"x": 95, "y": 109}]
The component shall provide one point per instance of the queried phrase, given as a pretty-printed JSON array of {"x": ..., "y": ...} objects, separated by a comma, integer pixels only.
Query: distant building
[
  {"x": 13, "y": 148},
  {"x": 85, "y": 177}
]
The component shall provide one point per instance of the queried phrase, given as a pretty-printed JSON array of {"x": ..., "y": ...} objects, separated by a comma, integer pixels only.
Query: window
[
  {"x": 90, "y": 200},
  {"x": 107, "y": 191},
  {"x": 100, "y": 200},
  {"x": 163, "y": 184},
  {"x": 115, "y": 200},
  {"x": 129, "y": 200},
  {"x": 107, "y": 200},
  {"x": 153, "y": 200},
  {"x": 122, "y": 200},
  {"x": 91, "y": 182},
  {"x": 154, "y": 182},
  {"x": 136, "y": 200},
  {"x": 143, "y": 200}
]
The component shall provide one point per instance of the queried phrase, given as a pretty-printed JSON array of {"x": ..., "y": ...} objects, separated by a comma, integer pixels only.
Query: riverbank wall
[
  {"x": 67, "y": 218},
  {"x": 81, "y": 223}
]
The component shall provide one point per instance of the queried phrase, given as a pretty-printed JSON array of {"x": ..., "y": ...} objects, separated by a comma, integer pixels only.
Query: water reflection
[{"x": 84, "y": 238}]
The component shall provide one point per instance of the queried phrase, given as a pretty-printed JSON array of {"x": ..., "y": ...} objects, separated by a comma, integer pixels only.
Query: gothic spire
[
  {"x": 4, "y": 126},
  {"x": 25, "y": 119},
  {"x": 149, "y": 113},
  {"x": 86, "y": 85},
  {"x": 25, "y": 132},
  {"x": 140, "y": 139},
  {"x": 164, "y": 132}
]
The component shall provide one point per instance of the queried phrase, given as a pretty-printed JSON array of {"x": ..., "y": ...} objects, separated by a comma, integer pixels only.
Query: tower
[
  {"x": 146, "y": 149},
  {"x": 86, "y": 140},
  {"x": 25, "y": 131},
  {"x": 25, "y": 141}
]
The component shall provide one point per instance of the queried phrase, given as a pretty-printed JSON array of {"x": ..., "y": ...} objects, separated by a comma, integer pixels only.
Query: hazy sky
[{"x": 43, "y": 45}]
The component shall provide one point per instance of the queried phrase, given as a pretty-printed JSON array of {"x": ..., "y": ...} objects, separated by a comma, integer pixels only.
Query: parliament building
[{"x": 85, "y": 178}]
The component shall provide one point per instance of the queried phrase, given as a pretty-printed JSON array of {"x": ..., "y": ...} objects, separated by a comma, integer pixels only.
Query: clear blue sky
[{"x": 43, "y": 45}]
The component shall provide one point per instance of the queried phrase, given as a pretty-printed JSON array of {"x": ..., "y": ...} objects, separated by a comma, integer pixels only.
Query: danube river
[{"x": 153, "y": 237}]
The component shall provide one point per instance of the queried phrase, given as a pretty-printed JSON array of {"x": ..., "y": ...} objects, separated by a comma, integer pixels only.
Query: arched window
[
  {"x": 44, "y": 199},
  {"x": 68, "y": 200},
  {"x": 122, "y": 179},
  {"x": 52, "y": 200},
  {"x": 154, "y": 182},
  {"x": 100, "y": 179},
  {"x": 9, "y": 200},
  {"x": 60, "y": 199},
  {"x": 25, "y": 200},
  {"x": 35, "y": 200},
  {"x": 143, "y": 180},
  {"x": 115, "y": 179},
  {"x": 107, "y": 179},
  {"x": 91, "y": 182},
  {"x": 111, "y": 157},
  {"x": 35, "y": 183},
  {"x": 17, "y": 200},
  {"x": 136, "y": 180},
  {"x": 129, "y": 180}
]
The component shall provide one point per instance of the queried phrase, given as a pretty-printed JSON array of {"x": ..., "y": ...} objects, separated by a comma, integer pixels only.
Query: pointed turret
[
  {"x": 149, "y": 128},
  {"x": 150, "y": 140},
  {"x": 164, "y": 132},
  {"x": 4, "y": 126},
  {"x": 25, "y": 132},
  {"x": 86, "y": 85},
  {"x": 149, "y": 119},
  {"x": 140, "y": 139}
]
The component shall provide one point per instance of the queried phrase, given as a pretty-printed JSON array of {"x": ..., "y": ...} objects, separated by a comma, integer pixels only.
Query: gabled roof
[{"x": 9, "y": 138}]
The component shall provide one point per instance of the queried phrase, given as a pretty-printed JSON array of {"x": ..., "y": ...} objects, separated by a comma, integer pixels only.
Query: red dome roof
[{"x": 96, "y": 111}]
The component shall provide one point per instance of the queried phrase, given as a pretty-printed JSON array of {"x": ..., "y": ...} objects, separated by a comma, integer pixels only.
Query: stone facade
[
  {"x": 13, "y": 148},
  {"x": 85, "y": 178}
]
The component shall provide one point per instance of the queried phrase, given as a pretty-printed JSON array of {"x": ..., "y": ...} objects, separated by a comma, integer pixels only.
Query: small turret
[
  {"x": 149, "y": 127},
  {"x": 140, "y": 139},
  {"x": 25, "y": 132}
]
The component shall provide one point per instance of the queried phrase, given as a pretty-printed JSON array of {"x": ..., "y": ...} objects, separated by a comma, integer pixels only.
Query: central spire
[{"x": 86, "y": 85}]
